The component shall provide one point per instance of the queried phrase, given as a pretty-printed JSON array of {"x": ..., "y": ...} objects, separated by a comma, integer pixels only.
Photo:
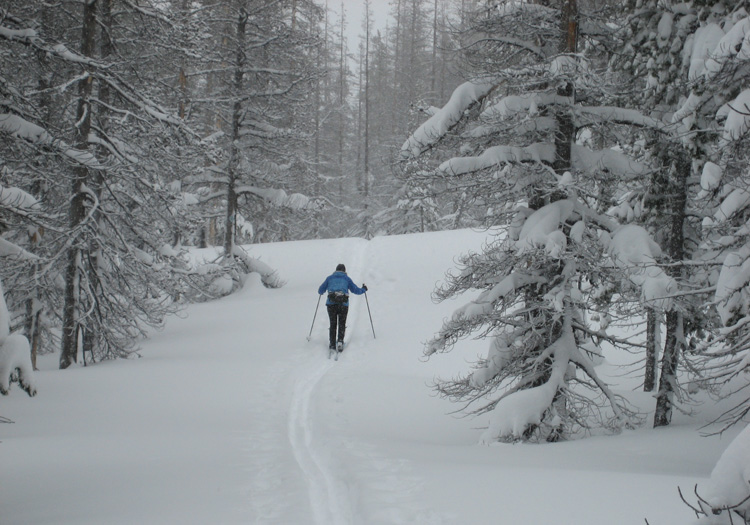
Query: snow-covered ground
[{"x": 232, "y": 416}]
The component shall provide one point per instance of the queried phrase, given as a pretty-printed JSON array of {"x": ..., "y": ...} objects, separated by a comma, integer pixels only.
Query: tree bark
[
  {"x": 680, "y": 167},
  {"x": 652, "y": 350},
  {"x": 230, "y": 221},
  {"x": 69, "y": 350}
]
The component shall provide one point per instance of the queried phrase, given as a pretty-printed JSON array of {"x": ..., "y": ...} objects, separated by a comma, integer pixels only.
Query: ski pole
[
  {"x": 314, "y": 316},
  {"x": 368, "y": 313}
]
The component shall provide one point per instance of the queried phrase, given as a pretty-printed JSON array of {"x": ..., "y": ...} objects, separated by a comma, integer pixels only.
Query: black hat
[{"x": 341, "y": 268}]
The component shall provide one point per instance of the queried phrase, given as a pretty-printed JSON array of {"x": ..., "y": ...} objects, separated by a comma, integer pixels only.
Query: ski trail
[
  {"x": 328, "y": 498},
  {"x": 357, "y": 265}
]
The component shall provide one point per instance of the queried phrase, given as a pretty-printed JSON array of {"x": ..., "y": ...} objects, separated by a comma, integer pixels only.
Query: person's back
[{"x": 338, "y": 285}]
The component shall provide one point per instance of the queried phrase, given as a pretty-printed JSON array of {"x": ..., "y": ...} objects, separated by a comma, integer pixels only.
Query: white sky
[{"x": 355, "y": 10}]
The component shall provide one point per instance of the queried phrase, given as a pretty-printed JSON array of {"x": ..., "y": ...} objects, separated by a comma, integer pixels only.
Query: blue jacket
[{"x": 339, "y": 282}]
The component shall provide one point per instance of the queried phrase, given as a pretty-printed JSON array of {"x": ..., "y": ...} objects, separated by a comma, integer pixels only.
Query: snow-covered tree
[
  {"x": 725, "y": 498},
  {"x": 718, "y": 102},
  {"x": 258, "y": 59},
  {"x": 535, "y": 133},
  {"x": 658, "y": 52},
  {"x": 15, "y": 358},
  {"x": 105, "y": 229}
]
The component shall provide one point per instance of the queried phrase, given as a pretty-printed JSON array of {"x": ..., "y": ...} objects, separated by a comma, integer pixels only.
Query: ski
[{"x": 336, "y": 351}]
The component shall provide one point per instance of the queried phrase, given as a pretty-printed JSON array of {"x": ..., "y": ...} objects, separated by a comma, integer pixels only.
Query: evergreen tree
[{"x": 534, "y": 135}]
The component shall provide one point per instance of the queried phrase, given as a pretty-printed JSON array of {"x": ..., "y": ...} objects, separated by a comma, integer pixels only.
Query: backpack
[
  {"x": 337, "y": 290},
  {"x": 338, "y": 297}
]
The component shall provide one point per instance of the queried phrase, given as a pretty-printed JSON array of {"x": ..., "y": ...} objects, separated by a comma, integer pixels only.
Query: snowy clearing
[{"x": 231, "y": 416}]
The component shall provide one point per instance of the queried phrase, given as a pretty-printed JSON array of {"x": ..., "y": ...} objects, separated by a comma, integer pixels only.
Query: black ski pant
[{"x": 337, "y": 314}]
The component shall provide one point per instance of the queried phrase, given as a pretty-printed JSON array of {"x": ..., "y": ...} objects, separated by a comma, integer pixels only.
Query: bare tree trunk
[
  {"x": 433, "y": 75},
  {"x": 367, "y": 103},
  {"x": 566, "y": 127},
  {"x": 679, "y": 171},
  {"x": 69, "y": 350},
  {"x": 360, "y": 119},
  {"x": 90, "y": 258},
  {"x": 33, "y": 303},
  {"x": 234, "y": 153},
  {"x": 341, "y": 103},
  {"x": 396, "y": 68},
  {"x": 652, "y": 350}
]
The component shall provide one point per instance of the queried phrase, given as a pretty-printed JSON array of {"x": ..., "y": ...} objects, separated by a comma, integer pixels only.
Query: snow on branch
[
  {"x": 583, "y": 159},
  {"x": 15, "y": 364},
  {"x": 520, "y": 409},
  {"x": 727, "y": 491},
  {"x": 20, "y": 128},
  {"x": 608, "y": 114},
  {"x": 15, "y": 355},
  {"x": 710, "y": 52},
  {"x": 634, "y": 251},
  {"x": 18, "y": 35},
  {"x": 528, "y": 103},
  {"x": 498, "y": 356},
  {"x": 587, "y": 160},
  {"x": 735, "y": 43},
  {"x": 268, "y": 276},
  {"x": 737, "y": 114},
  {"x": 538, "y": 153},
  {"x": 477, "y": 310},
  {"x": 9, "y": 249},
  {"x": 278, "y": 197},
  {"x": 542, "y": 228},
  {"x": 17, "y": 198},
  {"x": 31, "y": 38},
  {"x": 435, "y": 128},
  {"x": 732, "y": 297}
]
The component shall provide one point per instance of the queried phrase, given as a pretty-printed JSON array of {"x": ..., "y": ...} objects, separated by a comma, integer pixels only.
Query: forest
[{"x": 606, "y": 140}]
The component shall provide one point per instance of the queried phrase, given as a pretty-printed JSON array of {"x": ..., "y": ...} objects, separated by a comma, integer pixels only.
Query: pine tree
[
  {"x": 111, "y": 246},
  {"x": 255, "y": 99},
  {"x": 667, "y": 53},
  {"x": 535, "y": 136}
]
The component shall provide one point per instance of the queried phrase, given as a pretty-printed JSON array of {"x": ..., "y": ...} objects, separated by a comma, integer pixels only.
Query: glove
[{"x": 364, "y": 287}]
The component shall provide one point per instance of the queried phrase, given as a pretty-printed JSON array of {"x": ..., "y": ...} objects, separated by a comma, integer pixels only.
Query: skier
[{"x": 338, "y": 285}]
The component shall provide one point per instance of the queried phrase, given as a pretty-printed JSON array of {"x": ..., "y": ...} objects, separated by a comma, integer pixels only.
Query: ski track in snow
[{"x": 329, "y": 496}]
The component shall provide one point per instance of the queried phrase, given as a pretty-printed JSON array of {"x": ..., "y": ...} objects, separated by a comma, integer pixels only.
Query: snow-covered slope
[{"x": 231, "y": 416}]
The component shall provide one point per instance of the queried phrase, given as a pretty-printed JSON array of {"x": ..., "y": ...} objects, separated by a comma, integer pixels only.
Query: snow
[
  {"x": 17, "y": 34},
  {"x": 729, "y": 484},
  {"x": 542, "y": 228},
  {"x": 495, "y": 155},
  {"x": 497, "y": 357},
  {"x": 278, "y": 197},
  {"x": 711, "y": 177},
  {"x": 516, "y": 411},
  {"x": 738, "y": 117},
  {"x": 30, "y": 132},
  {"x": 704, "y": 42},
  {"x": 736, "y": 201},
  {"x": 633, "y": 250},
  {"x": 8, "y": 248},
  {"x": 230, "y": 416},
  {"x": 736, "y": 42},
  {"x": 17, "y": 198},
  {"x": 15, "y": 357},
  {"x": 731, "y": 296},
  {"x": 446, "y": 117},
  {"x": 527, "y": 103}
]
